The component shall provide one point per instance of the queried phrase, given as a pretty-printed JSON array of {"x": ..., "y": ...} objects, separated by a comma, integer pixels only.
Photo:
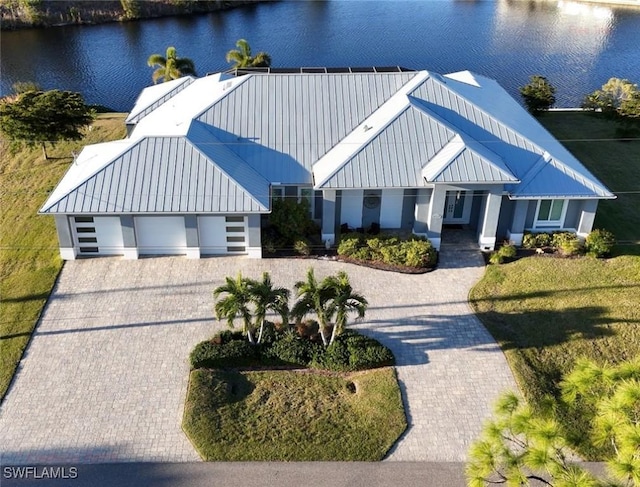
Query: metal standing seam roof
[
  {"x": 488, "y": 114},
  {"x": 145, "y": 179},
  {"x": 220, "y": 142},
  {"x": 153, "y": 96},
  {"x": 395, "y": 157},
  {"x": 281, "y": 124}
]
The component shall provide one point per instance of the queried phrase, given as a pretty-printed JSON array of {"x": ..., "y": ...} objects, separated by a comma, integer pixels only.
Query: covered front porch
[{"x": 422, "y": 211}]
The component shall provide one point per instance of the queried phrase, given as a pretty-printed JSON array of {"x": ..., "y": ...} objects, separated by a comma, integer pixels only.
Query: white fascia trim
[
  {"x": 443, "y": 158},
  {"x": 84, "y": 168},
  {"x": 349, "y": 146}
]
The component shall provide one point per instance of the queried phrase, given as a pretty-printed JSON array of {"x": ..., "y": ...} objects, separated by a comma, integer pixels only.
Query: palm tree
[
  {"x": 171, "y": 66},
  {"x": 241, "y": 57},
  {"x": 344, "y": 301},
  {"x": 266, "y": 298},
  {"x": 313, "y": 297},
  {"x": 236, "y": 303}
]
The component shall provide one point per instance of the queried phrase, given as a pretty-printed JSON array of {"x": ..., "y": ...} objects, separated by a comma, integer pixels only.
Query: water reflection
[{"x": 577, "y": 46}]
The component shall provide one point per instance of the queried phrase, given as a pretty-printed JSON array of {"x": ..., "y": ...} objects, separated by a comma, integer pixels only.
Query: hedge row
[
  {"x": 349, "y": 352},
  {"x": 415, "y": 251},
  {"x": 598, "y": 243}
]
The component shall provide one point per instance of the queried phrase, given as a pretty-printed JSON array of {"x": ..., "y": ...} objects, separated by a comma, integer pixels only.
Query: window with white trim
[
  {"x": 277, "y": 192},
  {"x": 550, "y": 214}
]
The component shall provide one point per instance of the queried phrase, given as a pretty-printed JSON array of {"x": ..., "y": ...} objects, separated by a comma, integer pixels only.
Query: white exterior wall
[
  {"x": 391, "y": 208},
  {"x": 161, "y": 235},
  {"x": 351, "y": 207}
]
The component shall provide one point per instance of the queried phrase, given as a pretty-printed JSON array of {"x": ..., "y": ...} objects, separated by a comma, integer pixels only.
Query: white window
[
  {"x": 550, "y": 214},
  {"x": 277, "y": 192}
]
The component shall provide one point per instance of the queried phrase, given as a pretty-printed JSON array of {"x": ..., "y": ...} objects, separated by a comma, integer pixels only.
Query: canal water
[{"x": 577, "y": 46}]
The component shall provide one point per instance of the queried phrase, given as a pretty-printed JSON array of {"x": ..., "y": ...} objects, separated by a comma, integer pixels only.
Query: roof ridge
[
  {"x": 246, "y": 165},
  {"x": 399, "y": 97}
]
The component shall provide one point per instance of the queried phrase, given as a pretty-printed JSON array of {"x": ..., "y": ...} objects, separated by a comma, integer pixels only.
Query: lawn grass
[
  {"x": 29, "y": 255},
  {"x": 546, "y": 312},
  {"x": 592, "y": 138},
  {"x": 293, "y": 415}
]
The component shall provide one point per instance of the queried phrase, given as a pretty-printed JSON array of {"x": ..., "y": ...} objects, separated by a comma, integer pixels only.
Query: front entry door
[{"x": 457, "y": 207}]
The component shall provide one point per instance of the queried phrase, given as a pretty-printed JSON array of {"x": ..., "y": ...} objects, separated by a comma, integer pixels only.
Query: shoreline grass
[{"x": 29, "y": 255}]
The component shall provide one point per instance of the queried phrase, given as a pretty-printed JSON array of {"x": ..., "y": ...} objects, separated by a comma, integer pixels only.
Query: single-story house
[{"x": 414, "y": 150}]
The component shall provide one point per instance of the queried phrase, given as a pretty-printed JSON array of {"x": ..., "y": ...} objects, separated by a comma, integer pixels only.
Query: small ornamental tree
[
  {"x": 538, "y": 95},
  {"x": 40, "y": 117}
]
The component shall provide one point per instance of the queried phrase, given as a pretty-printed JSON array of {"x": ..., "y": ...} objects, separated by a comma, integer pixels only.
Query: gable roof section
[
  {"x": 153, "y": 96},
  {"x": 394, "y": 157},
  {"x": 281, "y": 124},
  {"x": 159, "y": 175},
  {"x": 484, "y": 111}
]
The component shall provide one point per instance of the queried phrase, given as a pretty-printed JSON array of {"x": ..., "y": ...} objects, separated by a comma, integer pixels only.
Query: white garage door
[
  {"x": 161, "y": 235},
  {"x": 99, "y": 235},
  {"x": 222, "y": 234}
]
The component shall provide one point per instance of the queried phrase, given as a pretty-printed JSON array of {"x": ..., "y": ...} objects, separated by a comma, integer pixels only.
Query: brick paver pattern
[{"x": 105, "y": 375}]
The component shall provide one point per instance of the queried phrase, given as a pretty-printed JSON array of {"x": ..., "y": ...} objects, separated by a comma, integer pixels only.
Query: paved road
[{"x": 105, "y": 375}]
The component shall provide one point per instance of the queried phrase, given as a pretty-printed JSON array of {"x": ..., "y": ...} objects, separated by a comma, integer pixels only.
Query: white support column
[
  {"x": 329, "y": 216},
  {"x": 516, "y": 229},
  {"x": 487, "y": 239},
  {"x": 587, "y": 217}
]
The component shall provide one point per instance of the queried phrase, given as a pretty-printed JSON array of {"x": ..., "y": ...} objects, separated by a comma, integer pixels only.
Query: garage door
[
  {"x": 99, "y": 235},
  {"x": 222, "y": 234},
  {"x": 161, "y": 235}
]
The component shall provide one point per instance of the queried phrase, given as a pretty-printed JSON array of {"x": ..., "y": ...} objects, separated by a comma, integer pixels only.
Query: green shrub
[
  {"x": 508, "y": 251},
  {"x": 363, "y": 253},
  {"x": 543, "y": 239},
  {"x": 496, "y": 258},
  {"x": 566, "y": 243},
  {"x": 349, "y": 244},
  {"x": 599, "y": 243},
  {"x": 292, "y": 349},
  {"x": 353, "y": 351},
  {"x": 234, "y": 353},
  {"x": 291, "y": 221},
  {"x": 302, "y": 247},
  {"x": 393, "y": 254},
  {"x": 529, "y": 241},
  {"x": 418, "y": 253}
]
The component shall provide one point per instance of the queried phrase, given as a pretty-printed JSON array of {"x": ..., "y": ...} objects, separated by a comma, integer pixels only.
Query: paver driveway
[{"x": 105, "y": 375}]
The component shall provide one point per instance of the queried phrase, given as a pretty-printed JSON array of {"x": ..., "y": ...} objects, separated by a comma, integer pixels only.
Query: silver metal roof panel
[
  {"x": 162, "y": 175},
  {"x": 281, "y": 124}
]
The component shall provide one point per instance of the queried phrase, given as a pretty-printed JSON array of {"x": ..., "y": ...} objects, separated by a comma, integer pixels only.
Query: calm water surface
[{"x": 577, "y": 46}]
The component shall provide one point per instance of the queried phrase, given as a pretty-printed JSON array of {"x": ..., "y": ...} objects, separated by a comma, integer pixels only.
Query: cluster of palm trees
[
  {"x": 333, "y": 298},
  {"x": 170, "y": 66}
]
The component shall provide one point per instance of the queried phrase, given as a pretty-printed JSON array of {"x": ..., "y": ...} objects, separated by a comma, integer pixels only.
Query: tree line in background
[{"x": 618, "y": 98}]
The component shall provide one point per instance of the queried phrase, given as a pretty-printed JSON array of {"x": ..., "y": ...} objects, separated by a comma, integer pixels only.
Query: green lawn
[
  {"x": 546, "y": 312},
  {"x": 592, "y": 139},
  {"x": 29, "y": 256},
  {"x": 293, "y": 416}
]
